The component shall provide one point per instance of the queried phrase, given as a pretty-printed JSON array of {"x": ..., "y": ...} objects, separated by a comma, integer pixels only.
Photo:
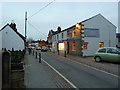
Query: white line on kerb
[{"x": 61, "y": 75}]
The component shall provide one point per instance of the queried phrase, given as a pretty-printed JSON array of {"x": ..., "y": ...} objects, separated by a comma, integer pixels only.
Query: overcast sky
[{"x": 63, "y": 14}]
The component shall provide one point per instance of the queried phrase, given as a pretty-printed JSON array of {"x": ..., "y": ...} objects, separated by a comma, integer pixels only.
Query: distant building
[
  {"x": 50, "y": 34},
  {"x": 11, "y": 38},
  {"x": 98, "y": 32},
  {"x": 42, "y": 43}
]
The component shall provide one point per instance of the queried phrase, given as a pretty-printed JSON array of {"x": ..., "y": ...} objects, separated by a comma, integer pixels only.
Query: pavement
[{"x": 35, "y": 74}]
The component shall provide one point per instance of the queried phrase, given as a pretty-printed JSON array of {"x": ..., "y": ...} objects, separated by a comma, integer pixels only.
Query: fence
[{"x": 12, "y": 69}]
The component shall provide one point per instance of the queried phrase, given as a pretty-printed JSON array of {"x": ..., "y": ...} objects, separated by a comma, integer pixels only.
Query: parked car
[
  {"x": 38, "y": 48},
  {"x": 107, "y": 54},
  {"x": 44, "y": 48}
]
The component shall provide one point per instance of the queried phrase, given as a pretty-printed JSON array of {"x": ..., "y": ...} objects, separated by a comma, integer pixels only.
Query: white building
[
  {"x": 98, "y": 32},
  {"x": 11, "y": 38},
  {"x": 58, "y": 41}
]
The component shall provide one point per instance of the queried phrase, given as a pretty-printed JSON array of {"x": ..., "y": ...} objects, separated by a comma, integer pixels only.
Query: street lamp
[{"x": 78, "y": 26}]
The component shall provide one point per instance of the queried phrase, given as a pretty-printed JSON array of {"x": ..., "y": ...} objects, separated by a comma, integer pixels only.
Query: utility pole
[{"x": 25, "y": 30}]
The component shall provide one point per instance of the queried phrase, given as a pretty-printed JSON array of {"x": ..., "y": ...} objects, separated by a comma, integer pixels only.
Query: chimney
[
  {"x": 13, "y": 25},
  {"x": 59, "y": 29}
]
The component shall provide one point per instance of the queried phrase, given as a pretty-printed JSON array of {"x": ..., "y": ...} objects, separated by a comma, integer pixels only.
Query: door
[{"x": 67, "y": 47}]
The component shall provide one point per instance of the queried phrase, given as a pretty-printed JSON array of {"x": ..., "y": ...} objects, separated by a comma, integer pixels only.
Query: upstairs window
[
  {"x": 57, "y": 37},
  {"x": 62, "y": 35}
]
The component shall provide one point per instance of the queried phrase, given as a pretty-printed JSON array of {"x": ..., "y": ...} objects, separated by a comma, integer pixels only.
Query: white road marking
[
  {"x": 61, "y": 75},
  {"x": 81, "y": 64},
  {"x": 96, "y": 69}
]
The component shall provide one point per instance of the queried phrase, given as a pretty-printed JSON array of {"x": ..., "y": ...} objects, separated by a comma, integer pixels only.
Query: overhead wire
[
  {"x": 37, "y": 13},
  {"x": 37, "y": 30},
  {"x": 41, "y": 9}
]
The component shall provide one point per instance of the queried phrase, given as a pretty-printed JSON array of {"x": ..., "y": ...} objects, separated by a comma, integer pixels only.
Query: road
[{"x": 81, "y": 76}]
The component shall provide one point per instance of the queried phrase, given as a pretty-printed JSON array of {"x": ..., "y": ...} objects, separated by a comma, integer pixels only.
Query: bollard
[
  {"x": 58, "y": 52},
  {"x": 36, "y": 55},
  {"x": 65, "y": 54},
  {"x": 29, "y": 51},
  {"x": 39, "y": 57},
  {"x": 33, "y": 52}
]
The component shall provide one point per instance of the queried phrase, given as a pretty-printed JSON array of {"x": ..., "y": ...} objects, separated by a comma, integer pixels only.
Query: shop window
[
  {"x": 101, "y": 44},
  {"x": 61, "y": 46},
  {"x": 74, "y": 46},
  {"x": 53, "y": 45}
]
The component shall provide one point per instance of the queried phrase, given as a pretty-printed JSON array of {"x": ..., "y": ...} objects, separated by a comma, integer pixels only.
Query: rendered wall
[{"x": 10, "y": 39}]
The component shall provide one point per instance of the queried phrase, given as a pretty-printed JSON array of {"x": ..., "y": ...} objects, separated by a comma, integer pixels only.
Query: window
[
  {"x": 110, "y": 50},
  {"x": 62, "y": 35},
  {"x": 74, "y": 46},
  {"x": 61, "y": 46},
  {"x": 101, "y": 44},
  {"x": 57, "y": 37},
  {"x": 73, "y": 33},
  {"x": 53, "y": 45},
  {"x": 102, "y": 50},
  {"x": 85, "y": 46}
]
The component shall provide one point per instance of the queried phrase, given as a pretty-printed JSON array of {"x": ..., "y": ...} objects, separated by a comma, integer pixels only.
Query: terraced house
[{"x": 85, "y": 37}]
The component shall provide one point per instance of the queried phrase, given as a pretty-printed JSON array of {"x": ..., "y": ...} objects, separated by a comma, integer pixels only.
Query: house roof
[
  {"x": 20, "y": 35},
  {"x": 89, "y": 19}
]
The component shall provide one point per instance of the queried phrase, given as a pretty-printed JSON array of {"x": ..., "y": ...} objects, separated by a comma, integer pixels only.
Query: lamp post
[{"x": 25, "y": 30}]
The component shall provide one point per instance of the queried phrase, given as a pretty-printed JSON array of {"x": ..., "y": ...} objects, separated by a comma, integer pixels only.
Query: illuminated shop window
[
  {"x": 61, "y": 46},
  {"x": 53, "y": 45},
  {"x": 101, "y": 44},
  {"x": 85, "y": 46},
  {"x": 74, "y": 46}
]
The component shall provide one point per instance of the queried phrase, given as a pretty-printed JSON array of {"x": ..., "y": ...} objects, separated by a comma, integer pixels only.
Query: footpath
[{"x": 35, "y": 74}]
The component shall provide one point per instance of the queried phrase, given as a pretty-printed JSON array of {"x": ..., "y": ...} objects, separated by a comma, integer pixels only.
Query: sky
[{"x": 63, "y": 14}]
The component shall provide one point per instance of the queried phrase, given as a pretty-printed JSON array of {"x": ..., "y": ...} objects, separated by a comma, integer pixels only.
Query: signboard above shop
[{"x": 91, "y": 32}]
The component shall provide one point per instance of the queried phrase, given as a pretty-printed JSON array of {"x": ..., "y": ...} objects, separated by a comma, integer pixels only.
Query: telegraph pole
[{"x": 25, "y": 30}]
